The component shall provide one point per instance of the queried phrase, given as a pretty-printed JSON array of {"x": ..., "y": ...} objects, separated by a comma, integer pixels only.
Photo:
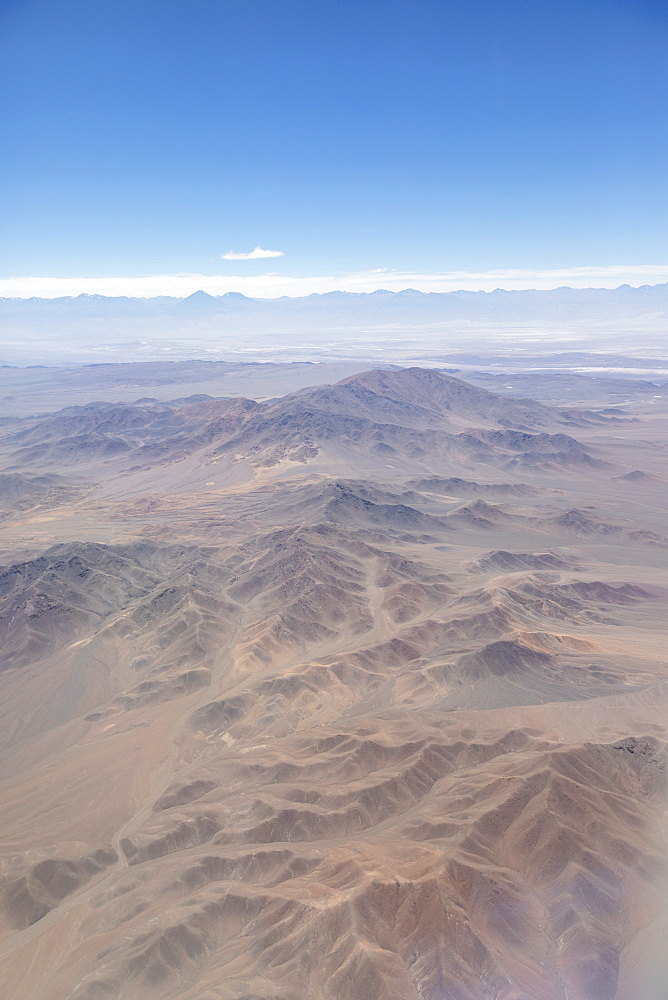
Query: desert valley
[{"x": 337, "y": 690}]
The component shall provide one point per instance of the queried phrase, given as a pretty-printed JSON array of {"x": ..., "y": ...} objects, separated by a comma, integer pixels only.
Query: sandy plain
[{"x": 356, "y": 692}]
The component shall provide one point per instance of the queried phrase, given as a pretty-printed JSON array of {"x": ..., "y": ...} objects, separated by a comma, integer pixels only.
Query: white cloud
[
  {"x": 270, "y": 285},
  {"x": 254, "y": 254}
]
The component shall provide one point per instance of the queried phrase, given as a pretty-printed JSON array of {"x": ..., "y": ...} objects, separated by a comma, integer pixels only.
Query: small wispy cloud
[{"x": 256, "y": 254}]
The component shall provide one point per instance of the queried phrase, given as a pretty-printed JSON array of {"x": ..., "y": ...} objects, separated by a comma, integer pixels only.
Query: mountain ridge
[
  {"x": 201, "y": 295},
  {"x": 358, "y": 691}
]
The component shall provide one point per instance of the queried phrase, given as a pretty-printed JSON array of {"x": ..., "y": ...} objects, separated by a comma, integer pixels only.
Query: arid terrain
[
  {"x": 354, "y": 691},
  {"x": 331, "y": 325}
]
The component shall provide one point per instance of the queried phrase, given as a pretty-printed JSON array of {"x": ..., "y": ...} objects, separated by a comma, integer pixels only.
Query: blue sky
[{"x": 150, "y": 137}]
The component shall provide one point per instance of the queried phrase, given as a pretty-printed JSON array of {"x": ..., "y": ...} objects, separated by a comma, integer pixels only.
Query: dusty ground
[{"x": 355, "y": 693}]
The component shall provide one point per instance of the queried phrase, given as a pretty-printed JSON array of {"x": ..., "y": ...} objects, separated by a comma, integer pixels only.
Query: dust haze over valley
[
  {"x": 335, "y": 680},
  {"x": 339, "y": 325}
]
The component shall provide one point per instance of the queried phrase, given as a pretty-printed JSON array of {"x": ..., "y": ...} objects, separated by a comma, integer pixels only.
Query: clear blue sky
[{"x": 151, "y": 136}]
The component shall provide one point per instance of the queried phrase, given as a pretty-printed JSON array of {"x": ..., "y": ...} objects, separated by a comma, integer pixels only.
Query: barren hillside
[{"x": 357, "y": 692}]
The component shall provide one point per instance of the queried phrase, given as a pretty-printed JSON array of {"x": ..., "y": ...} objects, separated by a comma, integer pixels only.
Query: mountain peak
[
  {"x": 199, "y": 296},
  {"x": 440, "y": 393}
]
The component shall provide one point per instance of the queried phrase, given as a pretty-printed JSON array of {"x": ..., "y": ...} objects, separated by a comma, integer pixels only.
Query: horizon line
[
  {"x": 335, "y": 291},
  {"x": 274, "y": 285}
]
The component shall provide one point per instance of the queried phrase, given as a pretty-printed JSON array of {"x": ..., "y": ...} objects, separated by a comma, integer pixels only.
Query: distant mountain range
[
  {"x": 337, "y": 323},
  {"x": 647, "y": 301}
]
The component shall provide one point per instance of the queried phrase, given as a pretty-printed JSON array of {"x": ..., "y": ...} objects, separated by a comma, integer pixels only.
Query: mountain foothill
[{"x": 354, "y": 691}]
